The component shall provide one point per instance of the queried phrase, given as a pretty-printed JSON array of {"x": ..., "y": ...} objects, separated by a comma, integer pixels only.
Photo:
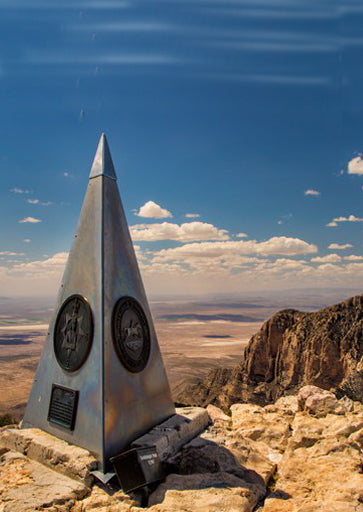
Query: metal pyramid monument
[{"x": 101, "y": 382}]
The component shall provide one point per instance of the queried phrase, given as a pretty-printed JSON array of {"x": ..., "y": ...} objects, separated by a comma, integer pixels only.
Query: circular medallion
[
  {"x": 131, "y": 334},
  {"x": 73, "y": 333}
]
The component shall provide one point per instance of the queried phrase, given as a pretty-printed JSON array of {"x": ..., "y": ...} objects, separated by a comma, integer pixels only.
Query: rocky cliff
[{"x": 292, "y": 349}]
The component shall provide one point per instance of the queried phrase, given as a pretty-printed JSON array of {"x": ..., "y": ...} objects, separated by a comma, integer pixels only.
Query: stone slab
[
  {"x": 27, "y": 485},
  {"x": 172, "y": 434},
  {"x": 69, "y": 460}
]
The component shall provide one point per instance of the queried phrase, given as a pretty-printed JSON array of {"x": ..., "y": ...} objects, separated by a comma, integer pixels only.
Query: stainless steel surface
[{"x": 115, "y": 405}]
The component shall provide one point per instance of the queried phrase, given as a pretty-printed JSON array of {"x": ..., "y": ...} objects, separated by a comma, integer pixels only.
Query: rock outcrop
[
  {"x": 291, "y": 349},
  {"x": 301, "y": 454}
]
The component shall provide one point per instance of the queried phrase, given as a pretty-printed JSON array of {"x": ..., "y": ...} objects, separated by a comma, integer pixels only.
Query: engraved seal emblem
[
  {"x": 73, "y": 333},
  {"x": 131, "y": 334}
]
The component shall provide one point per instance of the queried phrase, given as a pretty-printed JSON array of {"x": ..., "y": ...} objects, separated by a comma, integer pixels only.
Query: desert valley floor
[{"x": 194, "y": 337}]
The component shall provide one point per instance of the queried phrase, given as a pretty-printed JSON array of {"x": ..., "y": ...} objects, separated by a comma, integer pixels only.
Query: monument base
[{"x": 41, "y": 452}]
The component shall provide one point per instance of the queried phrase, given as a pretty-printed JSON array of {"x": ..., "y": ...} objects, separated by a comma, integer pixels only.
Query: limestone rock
[
  {"x": 219, "y": 492},
  {"x": 319, "y": 402},
  {"x": 291, "y": 350},
  {"x": 70, "y": 460},
  {"x": 26, "y": 485},
  {"x": 217, "y": 415},
  {"x": 259, "y": 424},
  {"x": 104, "y": 501},
  {"x": 321, "y": 468}
]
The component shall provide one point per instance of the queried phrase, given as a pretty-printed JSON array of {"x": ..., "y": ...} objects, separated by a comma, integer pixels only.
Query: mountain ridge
[{"x": 292, "y": 349}]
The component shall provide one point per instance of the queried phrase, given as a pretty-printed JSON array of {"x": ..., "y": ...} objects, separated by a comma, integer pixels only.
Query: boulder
[
  {"x": 319, "y": 402},
  {"x": 27, "y": 485},
  {"x": 219, "y": 492}
]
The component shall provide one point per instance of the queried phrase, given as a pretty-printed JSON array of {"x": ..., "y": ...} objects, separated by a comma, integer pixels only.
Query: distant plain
[{"x": 195, "y": 335}]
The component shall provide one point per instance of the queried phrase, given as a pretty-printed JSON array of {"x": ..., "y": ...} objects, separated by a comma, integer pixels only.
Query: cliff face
[{"x": 291, "y": 349}]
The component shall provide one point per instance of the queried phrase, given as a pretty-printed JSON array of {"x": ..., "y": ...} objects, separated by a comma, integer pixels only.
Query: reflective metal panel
[{"x": 119, "y": 398}]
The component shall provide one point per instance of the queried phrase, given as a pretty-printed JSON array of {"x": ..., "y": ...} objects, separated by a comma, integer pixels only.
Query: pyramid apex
[{"x": 102, "y": 162}]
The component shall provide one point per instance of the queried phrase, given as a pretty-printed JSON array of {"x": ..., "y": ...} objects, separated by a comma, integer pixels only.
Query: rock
[
  {"x": 319, "y": 402},
  {"x": 229, "y": 452},
  {"x": 321, "y": 466},
  {"x": 219, "y": 492},
  {"x": 70, "y": 460},
  {"x": 291, "y": 350},
  {"x": 104, "y": 501},
  {"x": 27, "y": 485},
  {"x": 261, "y": 424},
  {"x": 217, "y": 415},
  {"x": 172, "y": 434}
]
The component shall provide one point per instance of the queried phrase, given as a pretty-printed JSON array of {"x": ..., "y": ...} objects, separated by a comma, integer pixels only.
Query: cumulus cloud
[
  {"x": 353, "y": 257},
  {"x": 41, "y": 268},
  {"x": 192, "y": 215},
  {"x": 329, "y": 258},
  {"x": 274, "y": 246},
  {"x": 153, "y": 211},
  {"x": 241, "y": 235},
  {"x": 350, "y": 218},
  {"x": 339, "y": 246},
  {"x": 311, "y": 192},
  {"x": 30, "y": 220},
  {"x": 189, "y": 231},
  {"x": 355, "y": 166}
]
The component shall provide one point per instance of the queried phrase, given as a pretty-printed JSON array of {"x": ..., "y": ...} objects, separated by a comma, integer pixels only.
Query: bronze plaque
[
  {"x": 63, "y": 406},
  {"x": 131, "y": 334},
  {"x": 73, "y": 333}
]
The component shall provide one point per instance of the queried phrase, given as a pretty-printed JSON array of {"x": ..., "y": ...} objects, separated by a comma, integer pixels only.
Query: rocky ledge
[
  {"x": 301, "y": 454},
  {"x": 291, "y": 350}
]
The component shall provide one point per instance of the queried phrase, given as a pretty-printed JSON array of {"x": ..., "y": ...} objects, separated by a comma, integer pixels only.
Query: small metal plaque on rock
[
  {"x": 131, "y": 334},
  {"x": 73, "y": 333},
  {"x": 63, "y": 406}
]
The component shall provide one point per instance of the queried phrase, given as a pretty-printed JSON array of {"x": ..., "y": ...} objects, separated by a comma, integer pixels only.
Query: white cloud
[
  {"x": 153, "y": 210},
  {"x": 353, "y": 257},
  {"x": 339, "y": 246},
  {"x": 20, "y": 191},
  {"x": 228, "y": 249},
  {"x": 311, "y": 192},
  {"x": 285, "y": 245},
  {"x": 189, "y": 231},
  {"x": 27, "y": 240},
  {"x": 355, "y": 166},
  {"x": 30, "y": 220},
  {"x": 37, "y": 201},
  {"x": 10, "y": 253},
  {"x": 241, "y": 235},
  {"x": 50, "y": 266},
  {"x": 351, "y": 218},
  {"x": 192, "y": 215},
  {"x": 33, "y": 278},
  {"x": 329, "y": 258}
]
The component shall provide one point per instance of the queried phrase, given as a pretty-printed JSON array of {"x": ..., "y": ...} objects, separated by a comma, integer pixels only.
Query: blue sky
[{"x": 245, "y": 113}]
